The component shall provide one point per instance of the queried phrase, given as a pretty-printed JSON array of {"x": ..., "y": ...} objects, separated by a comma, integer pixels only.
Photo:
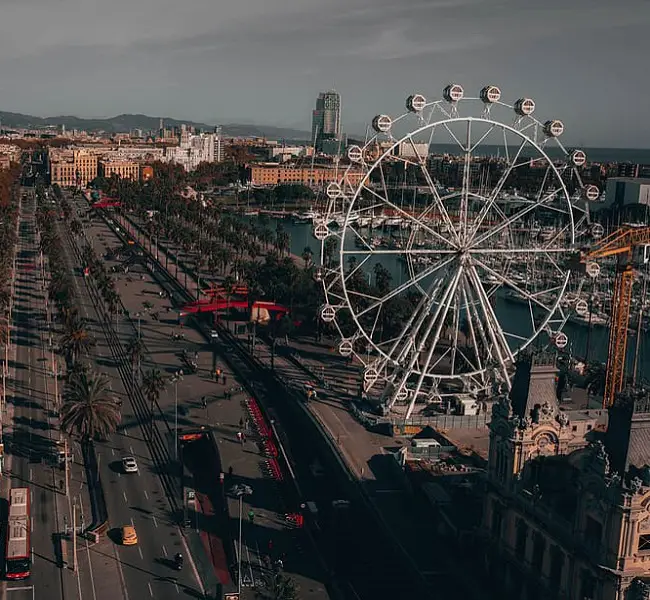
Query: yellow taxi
[{"x": 129, "y": 536}]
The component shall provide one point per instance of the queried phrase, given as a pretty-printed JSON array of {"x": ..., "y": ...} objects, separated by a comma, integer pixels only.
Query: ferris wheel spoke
[
  {"x": 411, "y": 218},
  {"x": 438, "y": 319},
  {"x": 403, "y": 287},
  {"x": 511, "y": 284},
  {"x": 499, "y": 343},
  {"x": 463, "y": 147},
  {"x": 413, "y": 348},
  {"x": 464, "y": 198},
  {"x": 514, "y": 218},
  {"x": 471, "y": 316},
  {"x": 409, "y": 332},
  {"x": 347, "y": 275},
  {"x": 442, "y": 209},
  {"x": 482, "y": 138},
  {"x": 485, "y": 209},
  {"x": 358, "y": 236},
  {"x": 455, "y": 332},
  {"x": 516, "y": 251}
]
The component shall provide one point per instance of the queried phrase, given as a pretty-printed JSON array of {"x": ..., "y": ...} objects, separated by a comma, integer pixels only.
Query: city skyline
[{"x": 265, "y": 63}]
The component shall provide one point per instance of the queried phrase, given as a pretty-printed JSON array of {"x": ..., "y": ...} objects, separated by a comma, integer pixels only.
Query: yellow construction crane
[{"x": 621, "y": 243}]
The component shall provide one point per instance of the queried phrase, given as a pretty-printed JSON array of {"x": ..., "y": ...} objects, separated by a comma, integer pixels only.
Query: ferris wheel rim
[
  {"x": 528, "y": 129},
  {"x": 395, "y": 143}
]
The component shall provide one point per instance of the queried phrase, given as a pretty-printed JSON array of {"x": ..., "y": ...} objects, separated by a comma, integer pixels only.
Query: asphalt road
[
  {"x": 136, "y": 498},
  {"x": 30, "y": 433}
]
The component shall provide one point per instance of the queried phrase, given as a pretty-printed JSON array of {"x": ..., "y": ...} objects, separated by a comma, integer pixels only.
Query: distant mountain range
[{"x": 125, "y": 123}]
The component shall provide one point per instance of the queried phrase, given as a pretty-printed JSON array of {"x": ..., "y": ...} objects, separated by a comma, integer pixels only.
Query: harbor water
[{"x": 584, "y": 342}]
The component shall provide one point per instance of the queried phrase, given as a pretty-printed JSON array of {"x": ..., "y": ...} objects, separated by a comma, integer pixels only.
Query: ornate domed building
[{"x": 567, "y": 507}]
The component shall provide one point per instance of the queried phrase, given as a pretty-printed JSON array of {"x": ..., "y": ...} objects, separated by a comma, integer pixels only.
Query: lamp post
[
  {"x": 178, "y": 376},
  {"x": 240, "y": 491}
]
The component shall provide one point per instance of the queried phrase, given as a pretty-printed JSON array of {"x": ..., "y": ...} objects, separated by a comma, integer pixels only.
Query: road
[
  {"x": 136, "y": 498},
  {"x": 29, "y": 418}
]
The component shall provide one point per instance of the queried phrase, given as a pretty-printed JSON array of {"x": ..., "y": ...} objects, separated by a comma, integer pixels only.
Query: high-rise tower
[{"x": 326, "y": 119}]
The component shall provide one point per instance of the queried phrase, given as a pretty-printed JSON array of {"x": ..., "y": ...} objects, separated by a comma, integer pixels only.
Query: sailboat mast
[{"x": 635, "y": 366}]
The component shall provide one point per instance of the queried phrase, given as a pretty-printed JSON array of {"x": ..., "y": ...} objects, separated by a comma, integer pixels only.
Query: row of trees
[
  {"x": 89, "y": 408},
  {"x": 9, "y": 198}
]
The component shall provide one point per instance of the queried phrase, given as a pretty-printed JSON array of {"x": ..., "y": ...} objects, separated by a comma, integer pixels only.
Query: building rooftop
[{"x": 637, "y": 180}]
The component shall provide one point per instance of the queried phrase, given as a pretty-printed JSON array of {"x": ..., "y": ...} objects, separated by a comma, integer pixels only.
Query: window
[
  {"x": 521, "y": 539},
  {"x": 593, "y": 532},
  {"x": 644, "y": 543},
  {"x": 557, "y": 566},
  {"x": 587, "y": 586},
  {"x": 539, "y": 547},
  {"x": 497, "y": 519}
]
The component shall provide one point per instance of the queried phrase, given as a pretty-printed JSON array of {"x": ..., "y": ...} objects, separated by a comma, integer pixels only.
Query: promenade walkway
[{"x": 182, "y": 405}]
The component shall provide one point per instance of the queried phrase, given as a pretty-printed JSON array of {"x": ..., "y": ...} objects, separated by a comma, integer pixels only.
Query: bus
[{"x": 18, "y": 551}]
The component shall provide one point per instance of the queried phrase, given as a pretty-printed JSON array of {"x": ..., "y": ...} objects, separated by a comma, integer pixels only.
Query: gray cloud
[{"x": 265, "y": 60}]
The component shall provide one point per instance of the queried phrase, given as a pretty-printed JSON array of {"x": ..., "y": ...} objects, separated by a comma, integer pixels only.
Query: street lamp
[
  {"x": 178, "y": 376},
  {"x": 240, "y": 490}
]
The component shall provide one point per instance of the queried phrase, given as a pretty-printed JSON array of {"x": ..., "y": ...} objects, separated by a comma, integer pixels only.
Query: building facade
[
  {"x": 194, "y": 149},
  {"x": 567, "y": 506},
  {"x": 72, "y": 167},
  {"x": 273, "y": 174},
  {"x": 326, "y": 119},
  {"x": 125, "y": 169}
]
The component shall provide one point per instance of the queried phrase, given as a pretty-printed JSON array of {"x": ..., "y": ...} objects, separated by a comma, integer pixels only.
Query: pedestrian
[
  {"x": 196, "y": 356},
  {"x": 241, "y": 423},
  {"x": 251, "y": 515},
  {"x": 230, "y": 471},
  {"x": 240, "y": 437},
  {"x": 224, "y": 379},
  {"x": 243, "y": 437}
]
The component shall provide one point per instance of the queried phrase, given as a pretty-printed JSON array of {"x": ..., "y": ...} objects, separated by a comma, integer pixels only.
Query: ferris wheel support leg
[
  {"x": 493, "y": 327},
  {"x": 473, "y": 315},
  {"x": 406, "y": 372},
  {"x": 440, "y": 318}
]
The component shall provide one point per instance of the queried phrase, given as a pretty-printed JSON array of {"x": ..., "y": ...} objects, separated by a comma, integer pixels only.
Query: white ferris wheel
[{"x": 446, "y": 243}]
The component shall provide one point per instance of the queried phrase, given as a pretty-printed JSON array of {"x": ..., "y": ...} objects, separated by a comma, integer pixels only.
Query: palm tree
[
  {"x": 284, "y": 588},
  {"x": 89, "y": 409},
  {"x": 75, "y": 341},
  {"x": 152, "y": 386},
  {"x": 135, "y": 349},
  {"x": 307, "y": 255}
]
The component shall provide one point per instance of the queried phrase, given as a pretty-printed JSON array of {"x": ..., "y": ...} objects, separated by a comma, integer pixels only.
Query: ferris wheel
[{"x": 446, "y": 244}]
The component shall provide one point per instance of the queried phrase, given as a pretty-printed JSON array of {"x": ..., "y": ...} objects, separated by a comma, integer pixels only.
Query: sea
[{"x": 594, "y": 155}]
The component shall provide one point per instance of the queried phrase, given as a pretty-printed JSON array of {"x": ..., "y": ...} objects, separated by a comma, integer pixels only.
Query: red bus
[{"x": 19, "y": 527}]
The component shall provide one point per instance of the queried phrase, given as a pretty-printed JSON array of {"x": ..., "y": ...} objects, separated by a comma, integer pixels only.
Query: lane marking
[
  {"x": 154, "y": 520},
  {"x": 150, "y": 590},
  {"x": 146, "y": 495},
  {"x": 124, "y": 494},
  {"x": 112, "y": 451},
  {"x": 131, "y": 449},
  {"x": 132, "y": 523},
  {"x": 140, "y": 553},
  {"x": 164, "y": 550},
  {"x": 178, "y": 591}
]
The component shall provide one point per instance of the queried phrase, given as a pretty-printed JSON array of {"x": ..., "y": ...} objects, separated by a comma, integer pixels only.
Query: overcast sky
[{"x": 264, "y": 61}]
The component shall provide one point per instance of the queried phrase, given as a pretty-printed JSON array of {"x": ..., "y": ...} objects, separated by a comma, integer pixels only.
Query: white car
[{"x": 129, "y": 465}]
